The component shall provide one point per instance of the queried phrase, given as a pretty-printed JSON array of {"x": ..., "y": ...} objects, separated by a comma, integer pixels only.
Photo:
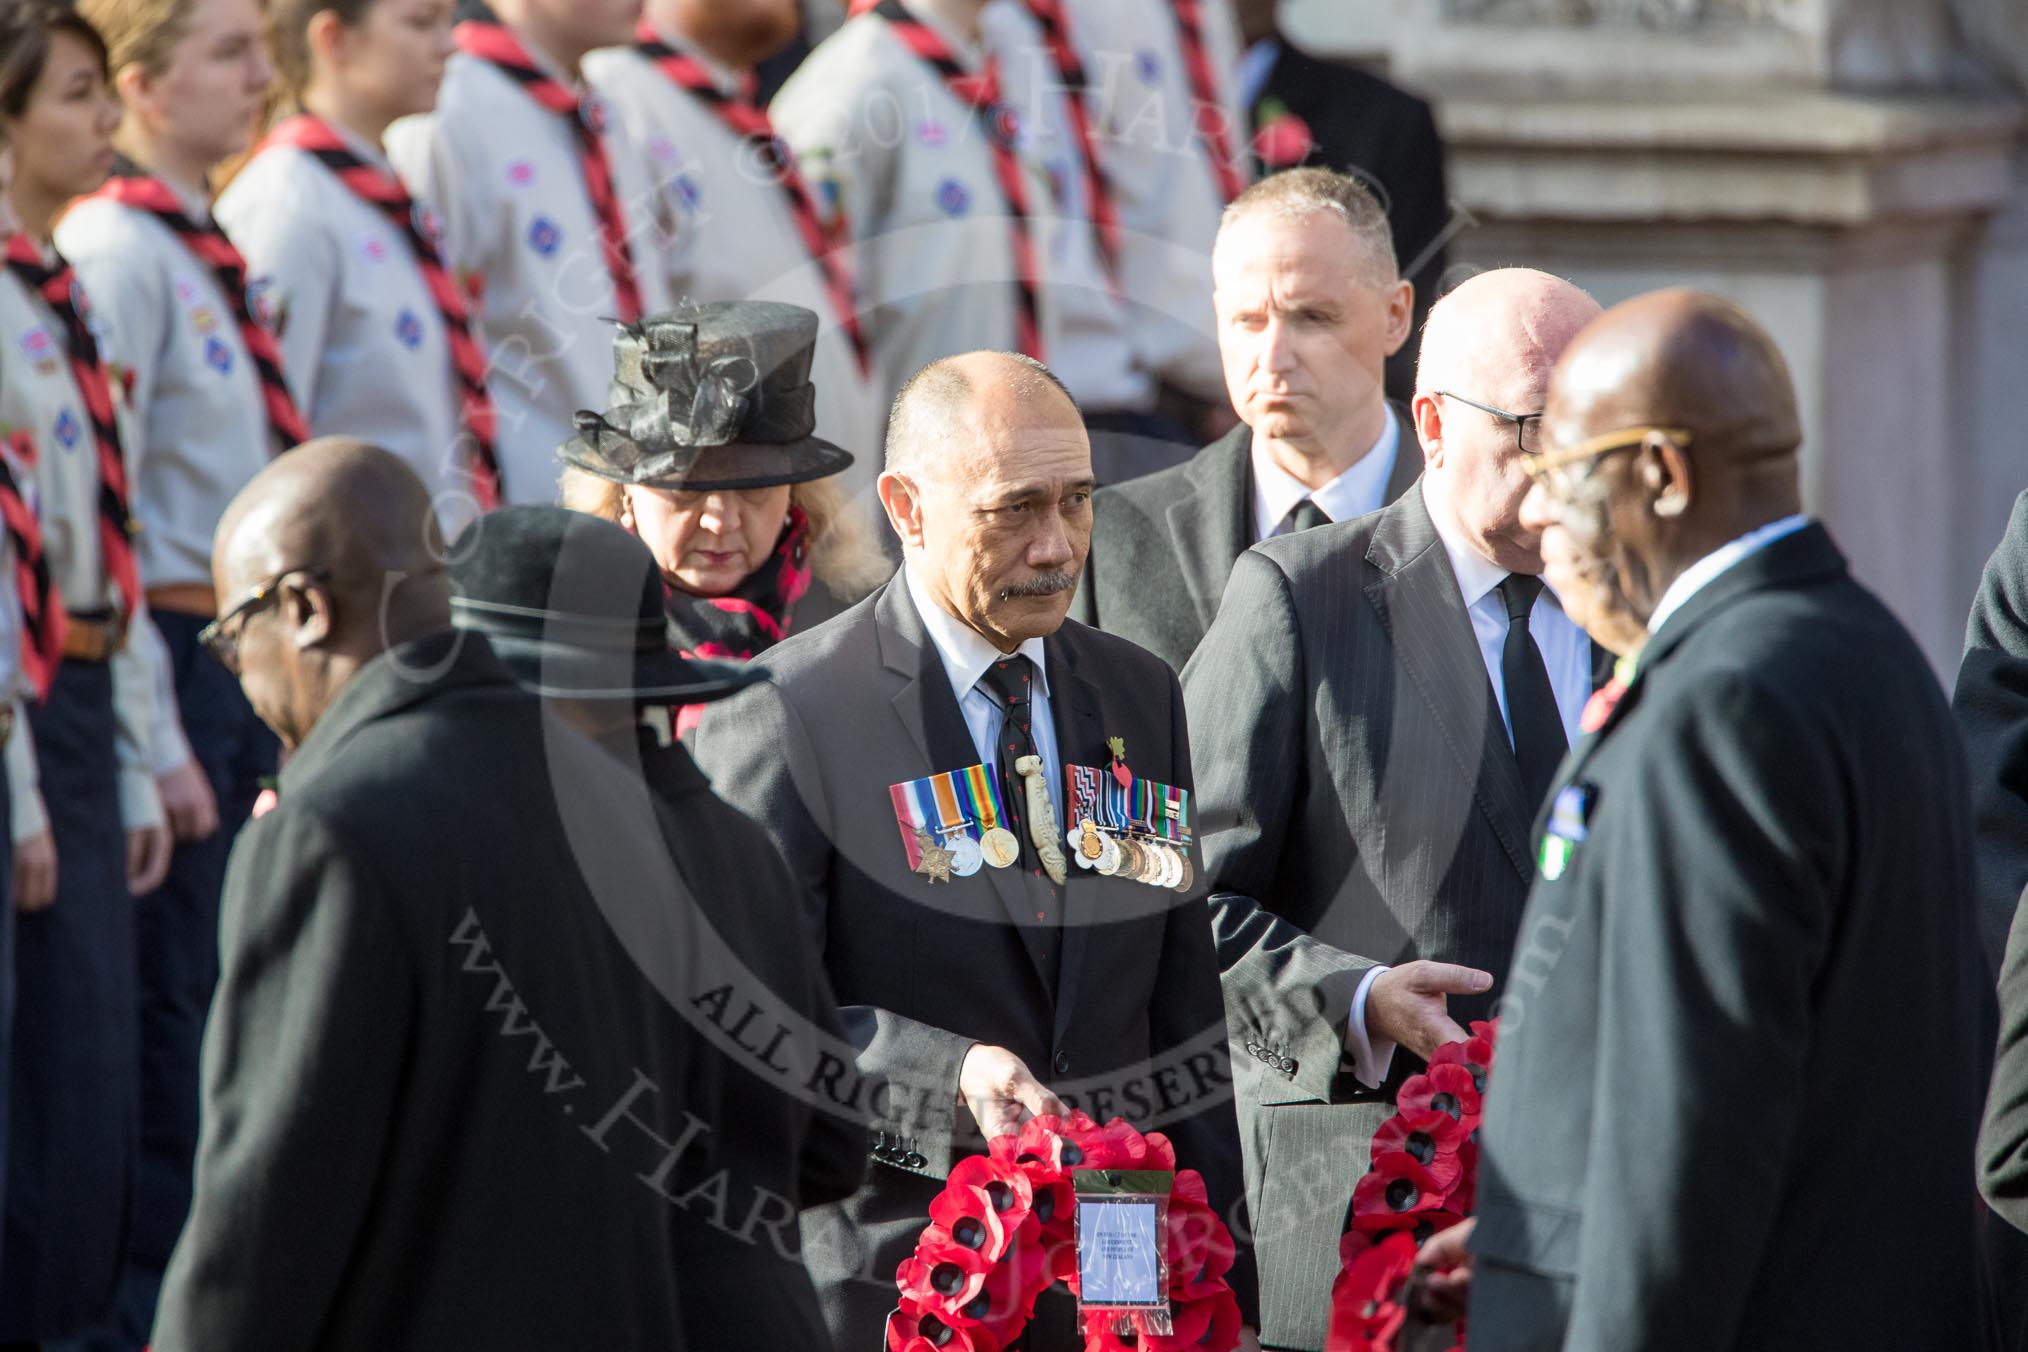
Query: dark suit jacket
[
  {"x": 1163, "y": 545},
  {"x": 1362, "y": 125},
  {"x": 1132, "y": 1024},
  {"x": 775, "y": 1151},
  {"x": 1771, "y": 913},
  {"x": 1992, "y": 708},
  {"x": 427, "y": 996},
  {"x": 1356, "y": 776}
]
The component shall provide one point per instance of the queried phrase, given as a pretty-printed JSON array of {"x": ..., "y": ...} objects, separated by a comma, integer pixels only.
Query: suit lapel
[
  {"x": 927, "y": 709},
  {"x": 1419, "y": 603},
  {"x": 1602, "y": 663},
  {"x": 1212, "y": 526},
  {"x": 1407, "y": 456},
  {"x": 1074, "y": 709}
]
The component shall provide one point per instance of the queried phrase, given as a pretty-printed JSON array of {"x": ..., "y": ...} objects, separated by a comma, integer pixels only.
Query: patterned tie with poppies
[
  {"x": 377, "y": 186},
  {"x": 750, "y": 124},
  {"x": 1210, "y": 113},
  {"x": 980, "y": 91},
  {"x": 42, "y": 614},
  {"x": 208, "y": 244},
  {"x": 497, "y": 45},
  {"x": 1098, "y": 189},
  {"x": 58, "y": 288},
  {"x": 1010, "y": 684}
]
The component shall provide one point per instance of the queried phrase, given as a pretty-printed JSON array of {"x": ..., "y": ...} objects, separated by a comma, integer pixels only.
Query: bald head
[
  {"x": 340, "y": 539},
  {"x": 1497, "y": 337},
  {"x": 1684, "y": 359},
  {"x": 988, "y": 486}
]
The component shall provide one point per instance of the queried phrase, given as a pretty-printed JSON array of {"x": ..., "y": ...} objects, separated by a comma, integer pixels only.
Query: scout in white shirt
[
  {"x": 728, "y": 226},
  {"x": 1168, "y": 188},
  {"x": 547, "y": 211},
  {"x": 371, "y": 320},
  {"x": 890, "y": 148},
  {"x": 210, "y": 408},
  {"x": 71, "y": 1142}
]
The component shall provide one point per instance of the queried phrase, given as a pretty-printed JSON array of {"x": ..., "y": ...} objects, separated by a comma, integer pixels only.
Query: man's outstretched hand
[{"x": 1406, "y": 1005}]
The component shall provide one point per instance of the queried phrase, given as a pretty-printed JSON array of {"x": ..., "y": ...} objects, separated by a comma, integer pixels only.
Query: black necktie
[
  {"x": 1532, "y": 716},
  {"x": 1304, "y": 515},
  {"x": 1009, "y": 682}
]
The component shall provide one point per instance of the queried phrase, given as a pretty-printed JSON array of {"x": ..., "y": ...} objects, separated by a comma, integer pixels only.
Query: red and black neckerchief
[
  {"x": 491, "y": 42},
  {"x": 752, "y": 618},
  {"x": 1210, "y": 113},
  {"x": 1098, "y": 189},
  {"x": 750, "y": 124},
  {"x": 208, "y": 244},
  {"x": 42, "y": 613},
  {"x": 980, "y": 91},
  {"x": 59, "y": 290},
  {"x": 377, "y": 186}
]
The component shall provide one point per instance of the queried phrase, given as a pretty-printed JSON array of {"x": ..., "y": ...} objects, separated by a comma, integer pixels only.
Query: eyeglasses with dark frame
[
  {"x": 220, "y": 638},
  {"x": 1539, "y": 467},
  {"x": 1527, "y": 426}
]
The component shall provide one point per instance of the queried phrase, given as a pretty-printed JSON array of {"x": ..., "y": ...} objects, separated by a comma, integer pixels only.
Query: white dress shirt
[
  {"x": 1359, "y": 490},
  {"x": 1706, "y": 570},
  {"x": 966, "y": 655}
]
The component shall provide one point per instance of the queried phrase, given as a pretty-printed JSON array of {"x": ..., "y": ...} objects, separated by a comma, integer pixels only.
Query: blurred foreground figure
[
  {"x": 438, "y": 1091},
  {"x": 1749, "y": 971}
]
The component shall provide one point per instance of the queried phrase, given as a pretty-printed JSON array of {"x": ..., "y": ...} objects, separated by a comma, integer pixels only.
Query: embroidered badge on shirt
[
  {"x": 689, "y": 191},
  {"x": 521, "y": 173},
  {"x": 953, "y": 198},
  {"x": 543, "y": 236},
  {"x": 68, "y": 430},
  {"x": 662, "y": 150},
  {"x": 932, "y": 133},
  {"x": 203, "y": 320},
  {"x": 217, "y": 355},
  {"x": 374, "y": 249},
  {"x": 1148, "y": 66},
  {"x": 408, "y": 328},
  {"x": 40, "y": 348},
  {"x": 186, "y": 290}
]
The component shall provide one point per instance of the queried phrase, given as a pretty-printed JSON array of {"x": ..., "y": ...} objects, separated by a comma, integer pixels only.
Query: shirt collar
[
  {"x": 971, "y": 53},
  {"x": 1708, "y": 569},
  {"x": 1351, "y": 494},
  {"x": 1255, "y": 66},
  {"x": 724, "y": 77},
  {"x": 1477, "y": 575},
  {"x": 965, "y": 652}
]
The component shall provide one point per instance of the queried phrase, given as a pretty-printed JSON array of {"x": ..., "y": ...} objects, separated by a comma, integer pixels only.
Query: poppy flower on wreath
[
  {"x": 1006, "y": 1186},
  {"x": 941, "y": 1274},
  {"x": 1396, "y": 1187},
  {"x": 1200, "y": 1250},
  {"x": 1475, "y": 1054},
  {"x": 1447, "y": 1088},
  {"x": 1116, "y": 1145},
  {"x": 1366, "y": 1298},
  {"x": 1431, "y": 1139},
  {"x": 967, "y": 1216},
  {"x": 910, "y": 1330}
]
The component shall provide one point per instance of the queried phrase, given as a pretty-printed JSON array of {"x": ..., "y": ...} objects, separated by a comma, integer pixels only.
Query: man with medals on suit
[
  {"x": 1754, "y": 902},
  {"x": 991, "y": 809},
  {"x": 1309, "y": 308},
  {"x": 1380, "y": 707}
]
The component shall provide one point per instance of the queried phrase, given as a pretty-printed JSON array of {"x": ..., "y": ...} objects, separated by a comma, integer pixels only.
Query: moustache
[{"x": 1042, "y": 584}]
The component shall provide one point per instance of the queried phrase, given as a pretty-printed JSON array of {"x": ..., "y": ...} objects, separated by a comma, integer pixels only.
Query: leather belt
[
  {"x": 92, "y": 639},
  {"x": 185, "y": 598}
]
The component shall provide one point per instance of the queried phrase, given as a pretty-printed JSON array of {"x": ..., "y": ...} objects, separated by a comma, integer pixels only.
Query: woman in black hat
[
  {"x": 707, "y": 455},
  {"x": 573, "y": 608}
]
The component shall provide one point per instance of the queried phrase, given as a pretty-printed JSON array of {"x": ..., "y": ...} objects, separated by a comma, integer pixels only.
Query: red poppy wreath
[
  {"x": 1003, "y": 1231},
  {"x": 1424, "y": 1179}
]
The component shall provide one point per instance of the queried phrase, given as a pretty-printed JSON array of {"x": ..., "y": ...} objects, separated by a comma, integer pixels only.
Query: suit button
[
  {"x": 1063, "y": 1063},
  {"x": 912, "y": 1160},
  {"x": 1289, "y": 1065}
]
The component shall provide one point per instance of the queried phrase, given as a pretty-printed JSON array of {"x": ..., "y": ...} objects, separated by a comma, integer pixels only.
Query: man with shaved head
[
  {"x": 1748, "y": 1001},
  {"x": 1310, "y": 307},
  {"x": 434, "y": 1077},
  {"x": 918, "y": 761},
  {"x": 1379, "y": 708}
]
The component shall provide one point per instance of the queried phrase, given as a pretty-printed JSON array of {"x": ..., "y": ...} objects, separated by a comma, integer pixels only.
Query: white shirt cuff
[{"x": 1370, "y": 1060}]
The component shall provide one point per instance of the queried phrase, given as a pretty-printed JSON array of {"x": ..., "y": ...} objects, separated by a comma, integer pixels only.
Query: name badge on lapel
[
  {"x": 951, "y": 823},
  {"x": 1569, "y": 818}
]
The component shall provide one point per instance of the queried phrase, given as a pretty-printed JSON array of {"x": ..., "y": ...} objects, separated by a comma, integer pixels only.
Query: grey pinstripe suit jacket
[{"x": 1354, "y": 774}]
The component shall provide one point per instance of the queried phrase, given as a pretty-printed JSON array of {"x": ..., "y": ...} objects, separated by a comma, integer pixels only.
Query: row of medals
[
  {"x": 996, "y": 846},
  {"x": 1142, "y": 860}
]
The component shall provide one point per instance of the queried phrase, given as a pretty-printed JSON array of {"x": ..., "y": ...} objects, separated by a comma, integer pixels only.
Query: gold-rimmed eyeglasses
[
  {"x": 220, "y": 638},
  {"x": 1539, "y": 467}
]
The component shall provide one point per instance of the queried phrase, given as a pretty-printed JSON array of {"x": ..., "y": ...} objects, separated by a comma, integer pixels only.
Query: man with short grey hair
[{"x": 1309, "y": 307}]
